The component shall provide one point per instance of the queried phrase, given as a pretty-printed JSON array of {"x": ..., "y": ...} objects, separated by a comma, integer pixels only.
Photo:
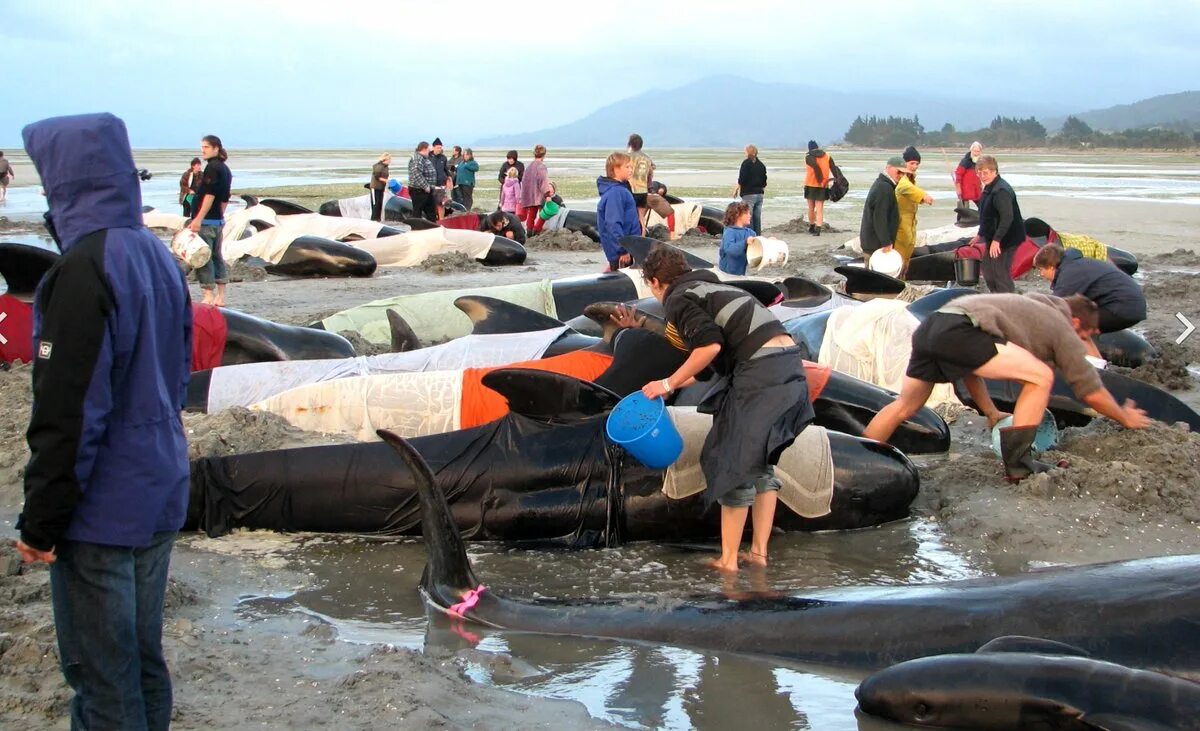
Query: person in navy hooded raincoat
[{"x": 106, "y": 487}]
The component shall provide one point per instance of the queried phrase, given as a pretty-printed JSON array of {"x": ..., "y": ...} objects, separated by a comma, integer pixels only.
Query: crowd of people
[{"x": 106, "y": 487}]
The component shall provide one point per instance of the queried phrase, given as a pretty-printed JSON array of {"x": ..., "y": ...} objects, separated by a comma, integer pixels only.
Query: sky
[{"x": 270, "y": 73}]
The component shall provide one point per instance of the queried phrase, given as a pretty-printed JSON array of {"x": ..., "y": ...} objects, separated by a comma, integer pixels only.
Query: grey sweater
[{"x": 1038, "y": 323}]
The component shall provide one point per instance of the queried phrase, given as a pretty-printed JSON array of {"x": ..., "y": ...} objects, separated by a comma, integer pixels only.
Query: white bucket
[
  {"x": 762, "y": 251},
  {"x": 187, "y": 245}
]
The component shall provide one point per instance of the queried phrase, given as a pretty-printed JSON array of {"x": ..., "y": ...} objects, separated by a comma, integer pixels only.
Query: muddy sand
[{"x": 1125, "y": 495}]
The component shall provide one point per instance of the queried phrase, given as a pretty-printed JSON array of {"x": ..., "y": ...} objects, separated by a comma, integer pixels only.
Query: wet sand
[{"x": 1127, "y": 495}]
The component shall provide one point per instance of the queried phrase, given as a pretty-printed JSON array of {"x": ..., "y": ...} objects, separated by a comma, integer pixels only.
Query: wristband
[{"x": 666, "y": 384}]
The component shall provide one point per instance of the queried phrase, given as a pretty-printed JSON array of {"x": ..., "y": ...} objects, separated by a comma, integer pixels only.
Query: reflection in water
[{"x": 366, "y": 588}]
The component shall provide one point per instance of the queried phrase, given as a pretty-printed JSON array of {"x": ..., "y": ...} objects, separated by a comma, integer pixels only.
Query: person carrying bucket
[{"x": 760, "y": 412}]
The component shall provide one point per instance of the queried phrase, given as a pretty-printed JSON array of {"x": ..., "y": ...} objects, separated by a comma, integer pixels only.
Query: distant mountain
[
  {"x": 1180, "y": 110},
  {"x": 728, "y": 111}
]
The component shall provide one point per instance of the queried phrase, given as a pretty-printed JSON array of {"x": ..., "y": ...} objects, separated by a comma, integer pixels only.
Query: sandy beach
[{"x": 1126, "y": 495}]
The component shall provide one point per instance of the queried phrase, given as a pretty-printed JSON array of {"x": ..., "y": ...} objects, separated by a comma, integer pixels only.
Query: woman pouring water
[{"x": 756, "y": 416}]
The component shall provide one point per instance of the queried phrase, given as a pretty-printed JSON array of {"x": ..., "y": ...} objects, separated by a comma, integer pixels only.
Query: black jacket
[
  {"x": 693, "y": 304},
  {"x": 999, "y": 215},
  {"x": 520, "y": 166},
  {"x": 752, "y": 177},
  {"x": 881, "y": 216},
  {"x": 1101, "y": 282},
  {"x": 441, "y": 168}
]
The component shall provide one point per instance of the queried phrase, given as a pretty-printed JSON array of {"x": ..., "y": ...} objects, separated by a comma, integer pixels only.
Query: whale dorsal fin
[
  {"x": 934, "y": 301},
  {"x": 491, "y": 316},
  {"x": 550, "y": 397},
  {"x": 1035, "y": 645},
  {"x": 860, "y": 280},
  {"x": 403, "y": 337},
  {"x": 601, "y": 313},
  {"x": 639, "y": 247},
  {"x": 23, "y": 266}
]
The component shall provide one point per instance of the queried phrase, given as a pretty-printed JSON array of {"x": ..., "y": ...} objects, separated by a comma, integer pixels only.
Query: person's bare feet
[
  {"x": 720, "y": 565},
  {"x": 752, "y": 558}
]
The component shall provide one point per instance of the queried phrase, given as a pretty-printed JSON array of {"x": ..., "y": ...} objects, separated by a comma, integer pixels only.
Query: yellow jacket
[{"x": 908, "y": 197}]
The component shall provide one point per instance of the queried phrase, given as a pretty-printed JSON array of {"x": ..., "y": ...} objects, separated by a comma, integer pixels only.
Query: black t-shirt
[{"x": 217, "y": 180}]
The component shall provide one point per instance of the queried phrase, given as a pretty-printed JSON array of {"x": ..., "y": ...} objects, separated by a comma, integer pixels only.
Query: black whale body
[
  {"x": 569, "y": 487},
  {"x": 1140, "y": 613}
]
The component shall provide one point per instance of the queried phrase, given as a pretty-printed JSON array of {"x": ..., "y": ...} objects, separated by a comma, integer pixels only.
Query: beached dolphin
[
  {"x": 1141, "y": 613},
  {"x": 1036, "y": 687},
  {"x": 544, "y": 473}
]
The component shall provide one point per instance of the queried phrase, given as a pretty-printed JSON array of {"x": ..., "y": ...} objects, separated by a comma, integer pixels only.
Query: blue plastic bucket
[
  {"x": 645, "y": 430},
  {"x": 1047, "y": 433}
]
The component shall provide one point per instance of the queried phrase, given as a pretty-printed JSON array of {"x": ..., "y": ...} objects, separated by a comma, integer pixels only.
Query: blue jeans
[
  {"x": 214, "y": 272},
  {"x": 108, "y": 609},
  {"x": 755, "y": 201}
]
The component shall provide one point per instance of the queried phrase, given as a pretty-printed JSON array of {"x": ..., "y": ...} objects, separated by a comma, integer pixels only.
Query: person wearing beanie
[
  {"x": 816, "y": 185},
  {"x": 908, "y": 198},
  {"x": 881, "y": 217},
  {"x": 441, "y": 173}
]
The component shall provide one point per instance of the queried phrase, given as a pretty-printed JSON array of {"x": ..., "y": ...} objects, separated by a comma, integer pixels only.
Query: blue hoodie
[
  {"x": 616, "y": 216},
  {"x": 733, "y": 249},
  {"x": 112, "y": 336}
]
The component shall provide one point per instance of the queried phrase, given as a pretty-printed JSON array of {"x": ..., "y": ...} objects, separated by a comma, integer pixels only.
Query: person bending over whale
[
  {"x": 1121, "y": 301},
  {"x": 1006, "y": 337},
  {"x": 761, "y": 411},
  {"x": 499, "y": 224}
]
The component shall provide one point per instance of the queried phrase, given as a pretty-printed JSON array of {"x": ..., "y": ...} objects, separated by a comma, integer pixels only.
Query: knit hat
[
  {"x": 812, "y": 145},
  {"x": 911, "y": 154},
  {"x": 437, "y": 141}
]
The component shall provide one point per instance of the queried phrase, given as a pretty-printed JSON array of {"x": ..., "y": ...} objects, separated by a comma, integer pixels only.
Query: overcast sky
[{"x": 275, "y": 73}]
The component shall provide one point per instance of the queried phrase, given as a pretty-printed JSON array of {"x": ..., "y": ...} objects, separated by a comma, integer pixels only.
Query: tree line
[{"x": 1004, "y": 131}]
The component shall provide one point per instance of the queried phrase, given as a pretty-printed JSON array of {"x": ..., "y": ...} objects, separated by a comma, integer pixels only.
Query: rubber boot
[{"x": 1016, "y": 443}]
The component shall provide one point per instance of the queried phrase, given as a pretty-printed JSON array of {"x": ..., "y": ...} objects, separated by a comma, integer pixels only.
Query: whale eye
[{"x": 920, "y": 712}]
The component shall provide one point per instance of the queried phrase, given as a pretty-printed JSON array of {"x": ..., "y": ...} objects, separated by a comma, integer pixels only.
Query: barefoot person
[
  {"x": 761, "y": 411},
  {"x": 1006, "y": 337},
  {"x": 6, "y": 176},
  {"x": 209, "y": 217}
]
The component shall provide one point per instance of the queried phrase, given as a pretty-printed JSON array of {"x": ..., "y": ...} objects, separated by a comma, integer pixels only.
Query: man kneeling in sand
[{"x": 1006, "y": 337}]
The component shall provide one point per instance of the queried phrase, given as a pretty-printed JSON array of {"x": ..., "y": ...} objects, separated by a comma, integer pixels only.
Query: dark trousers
[
  {"x": 108, "y": 609},
  {"x": 1112, "y": 320},
  {"x": 466, "y": 196},
  {"x": 376, "y": 204},
  {"x": 997, "y": 273},
  {"x": 423, "y": 204}
]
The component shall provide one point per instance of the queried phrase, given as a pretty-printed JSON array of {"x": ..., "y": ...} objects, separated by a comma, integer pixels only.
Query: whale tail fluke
[{"x": 448, "y": 573}]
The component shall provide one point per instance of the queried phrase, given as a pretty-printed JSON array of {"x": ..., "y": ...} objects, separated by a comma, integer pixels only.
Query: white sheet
[
  {"x": 414, "y": 247},
  {"x": 873, "y": 343},
  {"x": 360, "y": 206},
  {"x": 247, "y": 384},
  {"x": 687, "y": 216},
  {"x": 271, "y": 244},
  {"x": 410, "y": 404},
  {"x": 926, "y": 237},
  {"x": 805, "y": 469}
]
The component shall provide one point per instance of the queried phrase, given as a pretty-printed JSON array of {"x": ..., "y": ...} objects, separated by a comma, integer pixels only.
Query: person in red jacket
[{"x": 966, "y": 178}]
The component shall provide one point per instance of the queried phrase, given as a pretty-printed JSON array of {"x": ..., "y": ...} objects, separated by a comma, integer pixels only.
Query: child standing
[
  {"x": 616, "y": 213},
  {"x": 737, "y": 235},
  {"x": 510, "y": 194}
]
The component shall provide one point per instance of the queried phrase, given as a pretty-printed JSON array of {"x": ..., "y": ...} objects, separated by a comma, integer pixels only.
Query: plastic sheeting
[
  {"x": 271, "y": 244},
  {"x": 244, "y": 385},
  {"x": 432, "y": 315},
  {"x": 414, "y": 247},
  {"x": 413, "y": 404},
  {"x": 360, "y": 206},
  {"x": 805, "y": 469},
  {"x": 873, "y": 343},
  {"x": 155, "y": 218},
  {"x": 926, "y": 237}
]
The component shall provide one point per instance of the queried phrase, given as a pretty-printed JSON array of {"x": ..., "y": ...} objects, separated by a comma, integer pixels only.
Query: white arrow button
[{"x": 1190, "y": 328}]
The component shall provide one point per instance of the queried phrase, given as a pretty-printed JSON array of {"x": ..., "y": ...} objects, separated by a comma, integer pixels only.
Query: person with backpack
[{"x": 817, "y": 180}]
